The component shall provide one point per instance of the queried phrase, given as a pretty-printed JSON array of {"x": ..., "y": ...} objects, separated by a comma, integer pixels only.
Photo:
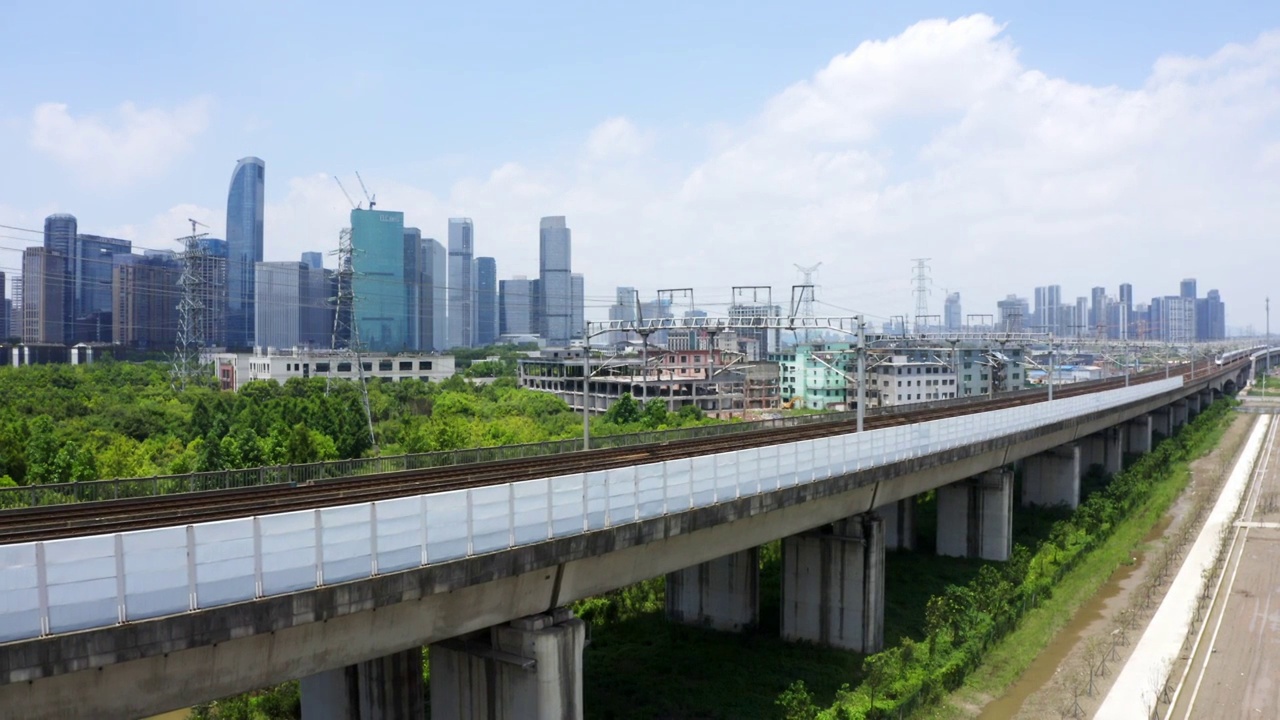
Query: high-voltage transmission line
[
  {"x": 346, "y": 334},
  {"x": 186, "y": 362}
]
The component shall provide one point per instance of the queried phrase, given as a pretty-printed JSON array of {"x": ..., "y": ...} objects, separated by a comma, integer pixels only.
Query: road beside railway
[{"x": 1151, "y": 676}]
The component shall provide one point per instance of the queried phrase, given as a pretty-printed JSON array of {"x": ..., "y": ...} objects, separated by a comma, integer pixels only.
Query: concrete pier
[
  {"x": 385, "y": 688},
  {"x": 528, "y": 669},
  {"x": 1139, "y": 432},
  {"x": 1162, "y": 421},
  {"x": 723, "y": 594},
  {"x": 1180, "y": 412},
  {"x": 899, "y": 524},
  {"x": 833, "y": 585},
  {"x": 975, "y": 517},
  {"x": 1053, "y": 477}
]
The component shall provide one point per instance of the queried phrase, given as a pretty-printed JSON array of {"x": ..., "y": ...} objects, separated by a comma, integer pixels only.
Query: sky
[{"x": 690, "y": 144}]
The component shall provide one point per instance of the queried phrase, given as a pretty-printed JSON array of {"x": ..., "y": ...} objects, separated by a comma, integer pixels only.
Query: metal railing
[
  {"x": 70, "y": 584},
  {"x": 247, "y": 478}
]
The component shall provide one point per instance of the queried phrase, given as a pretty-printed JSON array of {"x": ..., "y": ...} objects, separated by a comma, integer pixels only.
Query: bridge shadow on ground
[{"x": 639, "y": 665}]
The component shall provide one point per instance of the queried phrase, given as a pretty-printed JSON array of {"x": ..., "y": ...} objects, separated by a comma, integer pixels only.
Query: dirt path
[{"x": 1058, "y": 668}]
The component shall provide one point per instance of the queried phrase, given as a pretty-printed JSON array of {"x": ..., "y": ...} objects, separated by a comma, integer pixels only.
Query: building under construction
[{"x": 718, "y": 383}]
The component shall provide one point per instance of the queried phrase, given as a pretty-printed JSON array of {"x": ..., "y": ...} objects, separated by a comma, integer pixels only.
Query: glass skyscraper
[
  {"x": 244, "y": 246},
  {"x": 515, "y": 306},
  {"x": 377, "y": 243},
  {"x": 554, "y": 258},
  {"x": 60, "y": 238},
  {"x": 462, "y": 307},
  {"x": 438, "y": 259},
  {"x": 486, "y": 301},
  {"x": 89, "y": 277}
]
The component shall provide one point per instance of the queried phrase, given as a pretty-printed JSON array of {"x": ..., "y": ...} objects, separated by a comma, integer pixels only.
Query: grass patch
[{"x": 1013, "y": 654}]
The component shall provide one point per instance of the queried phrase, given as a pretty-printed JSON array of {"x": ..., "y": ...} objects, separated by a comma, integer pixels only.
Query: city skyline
[{"x": 655, "y": 202}]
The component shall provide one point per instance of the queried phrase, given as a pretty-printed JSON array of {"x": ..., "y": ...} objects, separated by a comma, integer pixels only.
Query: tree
[
  {"x": 655, "y": 414},
  {"x": 42, "y": 451},
  {"x": 691, "y": 413},
  {"x": 624, "y": 411},
  {"x": 300, "y": 447},
  {"x": 209, "y": 454}
]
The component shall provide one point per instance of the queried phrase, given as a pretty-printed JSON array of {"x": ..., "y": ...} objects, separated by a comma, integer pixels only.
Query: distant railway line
[{"x": 88, "y": 518}]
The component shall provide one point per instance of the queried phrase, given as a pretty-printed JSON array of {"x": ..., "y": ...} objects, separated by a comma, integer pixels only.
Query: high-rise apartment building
[
  {"x": 1054, "y": 318},
  {"x": 623, "y": 309},
  {"x": 438, "y": 259},
  {"x": 418, "y": 290},
  {"x": 1012, "y": 314},
  {"x": 515, "y": 307},
  {"x": 1127, "y": 310},
  {"x": 1187, "y": 288},
  {"x": 377, "y": 244},
  {"x": 211, "y": 291},
  {"x": 43, "y": 293},
  {"x": 577, "y": 292},
  {"x": 290, "y": 299},
  {"x": 1173, "y": 319},
  {"x": 1097, "y": 310},
  {"x": 462, "y": 310},
  {"x": 486, "y": 301},
  {"x": 245, "y": 204},
  {"x": 89, "y": 277},
  {"x": 554, "y": 281},
  {"x": 1040, "y": 316},
  {"x": 951, "y": 318},
  {"x": 144, "y": 308},
  {"x": 1080, "y": 317},
  {"x": 4, "y": 311},
  {"x": 1211, "y": 317},
  {"x": 60, "y": 232}
]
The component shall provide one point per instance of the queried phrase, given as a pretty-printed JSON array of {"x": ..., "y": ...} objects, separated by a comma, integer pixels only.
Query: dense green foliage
[
  {"x": 63, "y": 423},
  {"x": 963, "y": 621}
]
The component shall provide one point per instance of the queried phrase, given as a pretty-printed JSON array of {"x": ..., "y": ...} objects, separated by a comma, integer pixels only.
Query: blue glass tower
[
  {"x": 60, "y": 238},
  {"x": 244, "y": 247},
  {"x": 486, "y": 301},
  {"x": 381, "y": 296}
]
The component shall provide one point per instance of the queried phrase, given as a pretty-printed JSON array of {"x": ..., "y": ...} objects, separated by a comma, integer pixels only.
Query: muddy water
[
  {"x": 173, "y": 715},
  {"x": 1043, "y": 668}
]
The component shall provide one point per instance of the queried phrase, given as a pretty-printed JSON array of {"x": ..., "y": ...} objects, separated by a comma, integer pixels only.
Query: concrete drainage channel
[{"x": 1144, "y": 684}]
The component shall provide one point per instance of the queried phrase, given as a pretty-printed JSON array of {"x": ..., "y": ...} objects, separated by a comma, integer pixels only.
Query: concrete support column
[
  {"x": 1093, "y": 451},
  {"x": 1162, "y": 421},
  {"x": 975, "y": 517},
  {"x": 1139, "y": 431},
  {"x": 1206, "y": 399},
  {"x": 899, "y": 524},
  {"x": 1053, "y": 477},
  {"x": 528, "y": 669},
  {"x": 385, "y": 688},
  {"x": 1113, "y": 450},
  {"x": 1179, "y": 413},
  {"x": 723, "y": 594},
  {"x": 833, "y": 585},
  {"x": 1193, "y": 405}
]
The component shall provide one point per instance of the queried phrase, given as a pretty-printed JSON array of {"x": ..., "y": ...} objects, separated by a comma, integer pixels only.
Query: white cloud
[
  {"x": 938, "y": 142},
  {"x": 161, "y": 231},
  {"x": 121, "y": 147}
]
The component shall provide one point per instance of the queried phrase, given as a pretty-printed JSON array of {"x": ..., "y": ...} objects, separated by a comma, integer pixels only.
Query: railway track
[{"x": 62, "y": 521}]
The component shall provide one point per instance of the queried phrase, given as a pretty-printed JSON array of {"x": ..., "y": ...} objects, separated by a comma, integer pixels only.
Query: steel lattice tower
[
  {"x": 346, "y": 335},
  {"x": 921, "y": 291},
  {"x": 186, "y": 364}
]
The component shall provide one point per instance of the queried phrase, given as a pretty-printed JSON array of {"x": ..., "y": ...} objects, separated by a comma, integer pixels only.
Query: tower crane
[
  {"x": 354, "y": 205},
  {"x": 371, "y": 198}
]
